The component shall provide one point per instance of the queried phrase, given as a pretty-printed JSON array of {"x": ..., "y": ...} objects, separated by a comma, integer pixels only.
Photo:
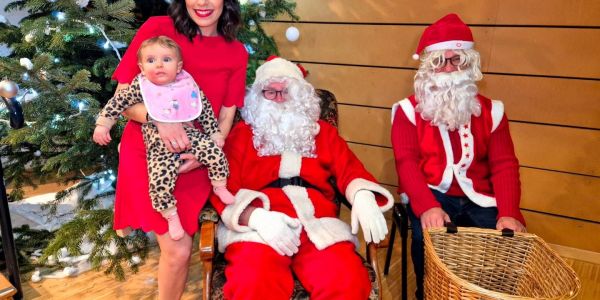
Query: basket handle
[
  {"x": 451, "y": 227},
  {"x": 508, "y": 232}
]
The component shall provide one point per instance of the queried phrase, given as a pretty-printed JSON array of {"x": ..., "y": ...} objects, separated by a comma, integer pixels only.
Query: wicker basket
[{"x": 478, "y": 263}]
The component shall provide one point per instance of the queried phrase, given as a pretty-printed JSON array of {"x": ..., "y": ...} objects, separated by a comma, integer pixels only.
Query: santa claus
[
  {"x": 454, "y": 155},
  {"x": 284, "y": 218}
]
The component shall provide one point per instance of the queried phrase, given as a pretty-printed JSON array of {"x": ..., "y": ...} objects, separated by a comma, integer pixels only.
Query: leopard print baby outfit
[{"x": 162, "y": 164}]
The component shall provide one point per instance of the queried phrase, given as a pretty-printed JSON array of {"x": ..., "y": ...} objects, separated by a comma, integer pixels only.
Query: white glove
[
  {"x": 366, "y": 211},
  {"x": 278, "y": 230}
]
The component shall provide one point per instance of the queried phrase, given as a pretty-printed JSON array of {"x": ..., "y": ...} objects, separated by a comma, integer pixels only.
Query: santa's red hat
[
  {"x": 276, "y": 66},
  {"x": 447, "y": 33}
]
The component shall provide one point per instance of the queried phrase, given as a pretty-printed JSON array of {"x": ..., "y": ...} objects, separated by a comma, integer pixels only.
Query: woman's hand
[
  {"x": 174, "y": 136},
  {"x": 189, "y": 163}
]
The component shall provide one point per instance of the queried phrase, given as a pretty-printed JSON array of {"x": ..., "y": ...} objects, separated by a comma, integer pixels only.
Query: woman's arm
[
  {"x": 137, "y": 113},
  {"x": 172, "y": 134},
  {"x": 226, "y": 116}
]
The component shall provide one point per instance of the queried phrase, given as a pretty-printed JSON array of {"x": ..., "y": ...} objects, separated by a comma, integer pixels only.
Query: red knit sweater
[{"x": 502, "y": 162}]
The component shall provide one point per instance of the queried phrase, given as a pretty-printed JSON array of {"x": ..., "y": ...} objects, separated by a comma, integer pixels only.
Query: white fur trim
[
  {"x": 450, "y": 45},
  {"x": 466, "y": 145},
  {"x": 460, "y": 169},
  {"x": 323, "y": 232},
  {"x": 243, "y": 198},
  {"x": 466, "y": 184},
  {"x": 226, "y": 237},
  {"x": 497, "y": 113},
  {"x": 290, "y": 165},
  {"x": 416, "y": 56},
  {"x": 278, "y": 67},
  {"x": 358, "y": 184},
  {"x": 408, "y": 109},
  {"x": 444, "y": 185}
]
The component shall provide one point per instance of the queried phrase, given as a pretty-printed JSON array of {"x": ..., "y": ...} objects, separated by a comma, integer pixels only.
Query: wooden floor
[{"x": 143, "y": 285}]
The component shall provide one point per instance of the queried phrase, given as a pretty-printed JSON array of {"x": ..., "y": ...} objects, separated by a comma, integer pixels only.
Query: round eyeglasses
[
  {"x": 441, "y": 62},
  {"x": 272, "y": 94}
]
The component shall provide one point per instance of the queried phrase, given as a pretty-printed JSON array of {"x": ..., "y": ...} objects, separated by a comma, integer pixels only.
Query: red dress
[{"x": 219, "y": 68}]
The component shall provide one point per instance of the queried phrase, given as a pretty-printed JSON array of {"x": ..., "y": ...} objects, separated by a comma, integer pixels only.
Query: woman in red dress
[{"x": 205, "y": 30}]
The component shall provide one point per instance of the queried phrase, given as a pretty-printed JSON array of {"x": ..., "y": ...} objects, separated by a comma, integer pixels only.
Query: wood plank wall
[{"x": 541, "y": 57}]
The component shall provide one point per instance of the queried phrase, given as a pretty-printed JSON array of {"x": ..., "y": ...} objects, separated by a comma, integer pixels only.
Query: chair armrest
[
  {"x": 207, "y": 253},
  {"x": 207, "y": 241},
  {"x": 372, "y": 259}
]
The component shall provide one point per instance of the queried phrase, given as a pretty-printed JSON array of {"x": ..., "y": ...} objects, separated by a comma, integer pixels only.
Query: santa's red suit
[
  {"x": 477, "y": 160},
  {"x": 326, "y": 263}
]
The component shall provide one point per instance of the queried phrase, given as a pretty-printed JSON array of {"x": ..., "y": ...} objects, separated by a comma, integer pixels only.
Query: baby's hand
[
  {"x": 102, "y": 135},
  {"x": 218, "y": 139}
]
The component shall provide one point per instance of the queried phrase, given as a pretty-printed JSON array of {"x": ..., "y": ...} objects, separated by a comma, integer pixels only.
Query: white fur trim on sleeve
[
  {"x": 497, "y": 113},
  {"x": 243, "y": 198},
  {"x": 358, "y": 184},
  {"x": 408, "y": 109},
  {"x": 290, "y": 165}
]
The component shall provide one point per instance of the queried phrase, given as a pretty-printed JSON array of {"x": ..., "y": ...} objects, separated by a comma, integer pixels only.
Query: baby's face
[{"x": 159, "y": 64}]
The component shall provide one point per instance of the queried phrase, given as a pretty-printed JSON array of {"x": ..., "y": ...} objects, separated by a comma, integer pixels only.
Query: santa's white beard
[
  {"x": 290, "y": 126},
  {"x": 448, "y": 99}
]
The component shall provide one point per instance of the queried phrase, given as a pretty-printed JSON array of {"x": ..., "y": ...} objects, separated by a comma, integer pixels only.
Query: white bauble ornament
[
  {"x": 37, "y": 153},
  {"x": 8, "y": 88},
  {"x": 292, "y": 34},
  {"x": 26, "y": 62},
  {"x": 82, "y": 3},
  {"x": 29, "y": 37}
]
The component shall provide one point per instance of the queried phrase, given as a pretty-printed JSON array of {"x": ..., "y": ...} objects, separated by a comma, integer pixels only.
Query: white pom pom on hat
[{"x": 447, "y": 33}]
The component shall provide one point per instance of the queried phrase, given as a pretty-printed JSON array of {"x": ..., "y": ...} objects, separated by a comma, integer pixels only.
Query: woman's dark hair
[{"x": 228, "y": 24}]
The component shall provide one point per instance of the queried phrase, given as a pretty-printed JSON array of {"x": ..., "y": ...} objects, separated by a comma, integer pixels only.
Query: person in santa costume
[
  {"x": 454, "y": 155},
  {"x": 284, "y": 218}
]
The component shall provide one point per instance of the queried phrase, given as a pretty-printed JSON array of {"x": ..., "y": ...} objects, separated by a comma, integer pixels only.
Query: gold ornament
[{"x": 8, "y": 88}]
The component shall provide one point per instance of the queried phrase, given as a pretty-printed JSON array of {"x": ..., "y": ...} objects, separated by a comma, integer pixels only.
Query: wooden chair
[
  {"x": 214, "y": 262},
  {"x": 7, "y": 290}
]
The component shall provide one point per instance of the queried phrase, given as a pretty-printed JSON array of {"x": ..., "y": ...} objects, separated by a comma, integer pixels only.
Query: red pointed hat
[{"x": 449, "y": 32}]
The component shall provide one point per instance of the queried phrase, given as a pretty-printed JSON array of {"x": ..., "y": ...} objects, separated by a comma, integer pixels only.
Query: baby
[{"x": 170, "y": 94}]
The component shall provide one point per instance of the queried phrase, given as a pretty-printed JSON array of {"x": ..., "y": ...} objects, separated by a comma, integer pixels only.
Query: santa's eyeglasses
[
  {"x": 456, "y": 60},
  {"x": 272, "y": 94}
]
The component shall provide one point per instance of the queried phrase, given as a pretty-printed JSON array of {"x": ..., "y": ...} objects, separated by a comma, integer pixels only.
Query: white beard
[
  {"x": 290, "y": 126},
  {"x": 448, "y": 99}
]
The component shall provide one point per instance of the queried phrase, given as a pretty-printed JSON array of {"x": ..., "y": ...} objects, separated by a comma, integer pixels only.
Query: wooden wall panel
[
  {"x": 542, "y": 51},
  {"x": 557, "y": 148},
  {"x": 563, "y": 231},
  {"x": 542, "y": 146},
  {"x": 546, "y": 191},
  {"x": 533, "y": 99},
  {"x": 507, "y": 12},
  {"x": 378, "y": 160},
  {"x": 562, "y": 194}
]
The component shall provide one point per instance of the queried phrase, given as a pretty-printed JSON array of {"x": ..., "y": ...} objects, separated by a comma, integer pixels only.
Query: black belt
[{"x": 297, "y": 181}]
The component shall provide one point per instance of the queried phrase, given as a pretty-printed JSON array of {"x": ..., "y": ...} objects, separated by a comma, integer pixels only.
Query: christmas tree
[{"x": 61, "y": 57}]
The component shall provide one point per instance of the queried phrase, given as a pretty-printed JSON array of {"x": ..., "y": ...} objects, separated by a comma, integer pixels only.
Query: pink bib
[{"x": 175, "y": 102}]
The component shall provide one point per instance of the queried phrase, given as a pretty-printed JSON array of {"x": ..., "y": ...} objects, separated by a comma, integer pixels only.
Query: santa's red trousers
[{"x": 256, "y": 271}]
